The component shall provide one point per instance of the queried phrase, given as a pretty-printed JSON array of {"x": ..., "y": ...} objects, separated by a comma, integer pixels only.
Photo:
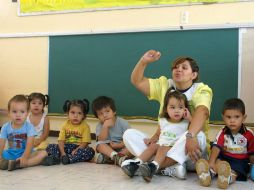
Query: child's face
[
  {"x": 36, "y": 106},
  {"x": 18, "y": 113},
  {"x": 75, "y": 115},
  {"x": 233, "y": 120},
  {"x": 105, "y": 114},
  {"x": 175, "y": 109}
]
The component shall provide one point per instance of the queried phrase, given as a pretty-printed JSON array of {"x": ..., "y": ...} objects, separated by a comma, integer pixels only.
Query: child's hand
[
  {"x": 37, "y": 142},
  {"x": 108, "y": 123},
  {"x": 151, "y": 56},
  {"x": 187, "y": 115},
  {"x": 148, "y": 141},
  {"x": 114, "y": 145},
  {"x": 74, "y": 151},
  {"x": 23, "y": 161}
]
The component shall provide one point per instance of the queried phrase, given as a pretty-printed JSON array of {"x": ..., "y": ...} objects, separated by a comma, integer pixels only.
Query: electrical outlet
[{"x": 184, "y": 17}]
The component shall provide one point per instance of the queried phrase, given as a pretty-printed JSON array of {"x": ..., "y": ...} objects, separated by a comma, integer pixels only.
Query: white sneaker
[
  {"x": 177, "y": 170},
  {"x": 127, "y": 162}
]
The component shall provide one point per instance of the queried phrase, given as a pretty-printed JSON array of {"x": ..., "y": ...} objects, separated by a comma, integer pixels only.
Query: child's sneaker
[
  {"x": 50, "y": 160},
  {"x": 4, "y": 164},
  {"x": 121, "y": 160},
  {"x": 118, "y": 159},
  {"x": 130, "y": 167},
  {"x": 203, "y": 171},
  {"x": 103, "y": 159},
  {"x": 65, "y": 160},
  {"x": 147, "y": 171},
  {"x": 252, "y": 172},
  {"x": 177, "y": 171},
  {"x": 13, "y": 165},
  {"x": 224, "y": 174}
]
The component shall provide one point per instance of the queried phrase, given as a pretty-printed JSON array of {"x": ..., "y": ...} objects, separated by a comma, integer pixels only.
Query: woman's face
[{"x": 183, "y": 73}]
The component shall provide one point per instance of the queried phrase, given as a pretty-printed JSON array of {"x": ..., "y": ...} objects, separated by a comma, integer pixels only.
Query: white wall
[{"x": 130, "y": 19}]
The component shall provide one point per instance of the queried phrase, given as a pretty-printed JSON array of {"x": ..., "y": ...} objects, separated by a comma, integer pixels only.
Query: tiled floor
[{"x": 89, "y": 176}]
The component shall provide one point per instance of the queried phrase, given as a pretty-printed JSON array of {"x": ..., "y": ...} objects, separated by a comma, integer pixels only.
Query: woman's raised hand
[{"x": 151, "y": 56}]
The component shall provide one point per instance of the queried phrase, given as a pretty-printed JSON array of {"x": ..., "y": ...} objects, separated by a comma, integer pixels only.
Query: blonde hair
[{"x": 19, "y": 98}]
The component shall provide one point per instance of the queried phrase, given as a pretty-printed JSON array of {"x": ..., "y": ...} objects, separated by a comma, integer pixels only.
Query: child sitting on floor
[
  {"x": 231, "y": 151},
  {"x": 74, "y": 137},
  {"x": 38, "y": 117},
  {"x": 109, "y": 132},
  {"x": 20, "y": 136}
]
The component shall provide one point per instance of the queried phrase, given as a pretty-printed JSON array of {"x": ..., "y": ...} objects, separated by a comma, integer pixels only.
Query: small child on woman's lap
[
  {"x": 38, "y": 117},
  {"x": 232, "y": 150},
  {"x": 173, "y": 123},
  {"x": 74, "y": 137}
]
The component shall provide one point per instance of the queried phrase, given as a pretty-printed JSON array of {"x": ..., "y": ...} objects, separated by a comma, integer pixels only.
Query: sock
[
  {"x": 212, "y": 173},
  {"x": 232, "y": 177},
  {"x": 113, "y": 154},
  {"x": 156, "y": 164},
  {"x": 139, "y": 160}
]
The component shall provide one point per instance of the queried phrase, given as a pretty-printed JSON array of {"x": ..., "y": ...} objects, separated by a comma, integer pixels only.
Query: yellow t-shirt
[
  {"x": 198, "y": 94},
  {"x": 75, "y": 134}
]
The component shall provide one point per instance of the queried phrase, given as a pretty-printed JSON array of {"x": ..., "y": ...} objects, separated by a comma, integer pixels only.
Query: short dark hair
[
  {"x": 83, "y": 104},
  {"x": 171, "y": 92},
  {"x": 193, "y": 64},
  {"x": 234, "y": 104},
  {"x": 18, "y": 98},
  {"x": 101, "y": 102}
]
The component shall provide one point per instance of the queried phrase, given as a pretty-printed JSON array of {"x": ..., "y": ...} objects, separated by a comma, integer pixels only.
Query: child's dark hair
[
  {"x": 43, "y": 97},
  {"x": 83, "y": 104},
  {"x": 101, "y": 102},
  {"x": 172, "y": 93},
  {"x": 193, "y": 64},
  {"x": 234, "y": 104},
  {"x": 19, "y": 98}
]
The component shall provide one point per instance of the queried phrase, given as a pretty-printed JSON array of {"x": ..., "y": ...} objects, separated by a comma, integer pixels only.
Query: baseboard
[{"x": 56, "y": 134}]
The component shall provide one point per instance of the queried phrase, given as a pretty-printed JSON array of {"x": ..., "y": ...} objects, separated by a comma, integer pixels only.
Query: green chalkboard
[{"x": 87, "y": 66}]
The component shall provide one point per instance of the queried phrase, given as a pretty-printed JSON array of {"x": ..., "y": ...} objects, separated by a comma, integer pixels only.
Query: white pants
[{"x": 134, "y": 142}]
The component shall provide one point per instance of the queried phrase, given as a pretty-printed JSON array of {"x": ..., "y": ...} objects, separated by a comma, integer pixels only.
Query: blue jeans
[{"x": 252, "y": 172}]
